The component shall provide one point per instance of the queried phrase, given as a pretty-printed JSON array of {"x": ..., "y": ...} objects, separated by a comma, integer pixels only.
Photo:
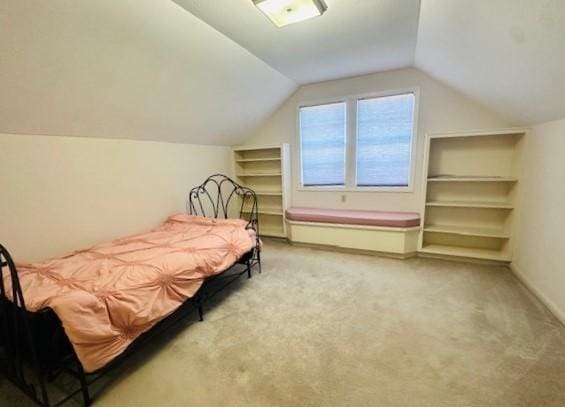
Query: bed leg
[
  {"x": 200, "y": 313},
  {"x": 41, "y": 375},
  {"x": 43, "y": 388},
  {"x": 259, "y": 259},
  {"x": 83, "y": 386},
  {"x": 248, "y": 265},
  {"x": 51, "y": 375}
]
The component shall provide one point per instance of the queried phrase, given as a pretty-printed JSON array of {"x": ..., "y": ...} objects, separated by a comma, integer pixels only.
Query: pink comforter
[{"x": 108, "y": 295}]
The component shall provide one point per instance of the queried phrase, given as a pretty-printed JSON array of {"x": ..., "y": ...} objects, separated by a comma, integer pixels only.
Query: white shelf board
[
  {"x": 260, "y": 174},
  {"x": 471, "y": 179},
  {"x": 273, "y": 232},
  {"x": 467, "y": 231},
  {"x": 470, "y": 204},
  {"x": 254, "y": 148},
  {"x": 511, "y": 131},
  {"x": 274, "y": 212},
  {"x": 268, "y": 193},
  {"x": 253, "y": 160},
  {"x": 473, "y": 253}
]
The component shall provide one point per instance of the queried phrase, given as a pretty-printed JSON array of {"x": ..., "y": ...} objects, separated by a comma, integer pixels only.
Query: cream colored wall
[
  {"x": 60, "y": 194},
  {"x": 539, "y": 253},
  {"x": 441, "y": 109}
]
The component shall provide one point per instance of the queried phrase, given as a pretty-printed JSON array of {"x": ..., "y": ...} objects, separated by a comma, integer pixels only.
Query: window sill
[{"x": 407, "y": 189}]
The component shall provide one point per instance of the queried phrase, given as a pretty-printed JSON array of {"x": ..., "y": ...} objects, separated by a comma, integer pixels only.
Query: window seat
[
  {"x": 354, "y": 217},
  {"x": 377, "y": 232}
]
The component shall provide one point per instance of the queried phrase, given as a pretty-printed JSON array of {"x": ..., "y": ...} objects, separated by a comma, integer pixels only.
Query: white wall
[
  {"x": 59, "y": 194},
  {"x": 441, "y": 110},
  {"x": 539, "y": 253}
]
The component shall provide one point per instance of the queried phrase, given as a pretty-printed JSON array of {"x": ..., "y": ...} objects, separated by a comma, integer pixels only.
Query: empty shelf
[
  {"x": 467, "y": 231},
  {"x": 253, "y": 160},
  {"x": 271, "y": 231},
  {"x": 473, "y": 253},
  {"x": 470, "y": 204},
  {"x": 471, "y": 179},
  {"x": 260, "y": 174},
  {"x": 268, "y": 193},
  {"x": 276, "y": 212},
  {"x": 256, "y": 148}
]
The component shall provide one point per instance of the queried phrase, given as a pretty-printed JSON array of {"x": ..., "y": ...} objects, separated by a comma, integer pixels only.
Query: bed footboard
[{"x": 30, "y": 342}]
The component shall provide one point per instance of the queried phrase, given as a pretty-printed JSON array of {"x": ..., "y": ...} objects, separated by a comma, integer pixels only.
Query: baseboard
[{"x": 554, "y": 309}]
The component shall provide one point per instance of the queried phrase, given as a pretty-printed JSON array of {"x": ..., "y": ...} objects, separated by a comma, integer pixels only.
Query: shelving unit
[
  {"x": 266, "y": 170},
  {"x": 468, "y": 205}
]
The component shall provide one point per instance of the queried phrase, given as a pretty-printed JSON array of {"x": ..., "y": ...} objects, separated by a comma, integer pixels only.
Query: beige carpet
[{"x": 328, "y": 329}]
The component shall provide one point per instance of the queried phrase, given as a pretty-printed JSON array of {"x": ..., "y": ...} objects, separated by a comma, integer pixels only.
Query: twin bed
[{"x": 82, "y": 312}]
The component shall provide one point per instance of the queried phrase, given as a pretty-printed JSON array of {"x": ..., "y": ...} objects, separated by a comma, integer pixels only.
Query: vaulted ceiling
[
  {"x": 134, "y": 69},
  {"x": 210, "y": 71},
  {"x": 507, "y": 54},
  {"x": 353, "y": 37}
]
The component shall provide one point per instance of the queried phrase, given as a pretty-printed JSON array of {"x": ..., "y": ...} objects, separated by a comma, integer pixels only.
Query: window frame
[{"x": 351, "y": 138}]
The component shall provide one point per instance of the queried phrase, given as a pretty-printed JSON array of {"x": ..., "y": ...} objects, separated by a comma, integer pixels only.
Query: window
[
  {"x": 384, "y": 140},
  {"x": 322, "y": 135},
  {"x": 377, "y": 142}
]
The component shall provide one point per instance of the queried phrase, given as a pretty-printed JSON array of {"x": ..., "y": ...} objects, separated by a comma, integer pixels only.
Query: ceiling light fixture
[{"x": 285, "y": 12}]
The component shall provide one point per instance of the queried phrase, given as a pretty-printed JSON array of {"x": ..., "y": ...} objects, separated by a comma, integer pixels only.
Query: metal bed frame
[{"x": 34, "y": 348}]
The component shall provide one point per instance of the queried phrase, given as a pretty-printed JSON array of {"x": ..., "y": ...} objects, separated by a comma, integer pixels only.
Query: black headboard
[{"x": 221, "y": 197}]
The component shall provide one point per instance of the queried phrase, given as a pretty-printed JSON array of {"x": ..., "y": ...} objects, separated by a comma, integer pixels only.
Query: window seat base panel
[{"x": 400, "y": 242}]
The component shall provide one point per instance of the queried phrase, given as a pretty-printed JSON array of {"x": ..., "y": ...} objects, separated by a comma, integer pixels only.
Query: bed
[{"x": 84, "y": 312}]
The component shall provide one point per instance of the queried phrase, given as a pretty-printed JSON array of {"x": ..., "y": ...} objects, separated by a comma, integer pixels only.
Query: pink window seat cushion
[{"x": 354, "y": 217}]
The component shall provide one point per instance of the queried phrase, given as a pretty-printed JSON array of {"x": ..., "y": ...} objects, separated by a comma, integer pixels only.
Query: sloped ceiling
[
  {"x": 507, "y": 54},
  {"x": 150, "y": 69},
  {"x": 353, "y": 37},
  {"x": 139, "y": 69}
]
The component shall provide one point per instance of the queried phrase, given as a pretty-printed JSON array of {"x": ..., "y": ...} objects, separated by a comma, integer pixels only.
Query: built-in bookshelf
[
  {"x": 266, "y": 170},
  {"x": 470, "y": 187}
]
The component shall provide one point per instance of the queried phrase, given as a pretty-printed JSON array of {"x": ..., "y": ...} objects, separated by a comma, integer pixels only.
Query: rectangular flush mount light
[{"x": 284, "y": 12}]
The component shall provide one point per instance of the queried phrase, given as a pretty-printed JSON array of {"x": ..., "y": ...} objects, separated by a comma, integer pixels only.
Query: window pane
[
  {"x": 384, "y": 140},
  {"x": 322, "y": 138}
]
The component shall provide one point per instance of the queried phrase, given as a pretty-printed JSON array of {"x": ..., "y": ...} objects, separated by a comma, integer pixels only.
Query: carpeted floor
[{"x": 328, "y": 329}]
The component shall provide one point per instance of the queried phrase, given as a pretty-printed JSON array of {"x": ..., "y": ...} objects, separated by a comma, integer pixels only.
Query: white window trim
[{"x": 351, "y": 142}]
